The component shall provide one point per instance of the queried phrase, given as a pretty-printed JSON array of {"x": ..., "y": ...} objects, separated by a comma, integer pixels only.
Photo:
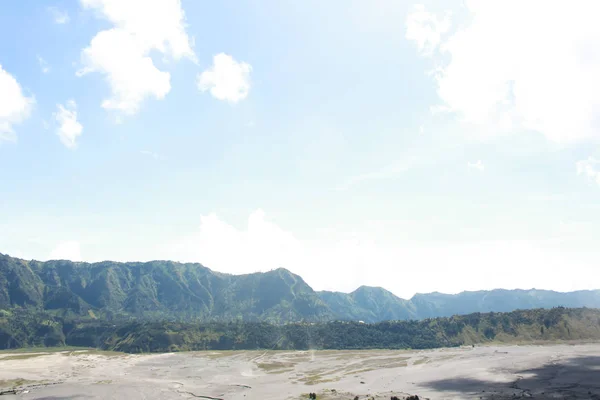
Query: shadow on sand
[{"x": 572, "y": 378}]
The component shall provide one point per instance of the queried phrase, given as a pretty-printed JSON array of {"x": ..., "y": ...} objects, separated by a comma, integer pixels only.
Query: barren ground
[{"x": 542, "y": 372}]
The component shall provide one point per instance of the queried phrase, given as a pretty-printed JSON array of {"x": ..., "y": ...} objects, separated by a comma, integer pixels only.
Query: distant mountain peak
[{"x": 367, "y": 287}]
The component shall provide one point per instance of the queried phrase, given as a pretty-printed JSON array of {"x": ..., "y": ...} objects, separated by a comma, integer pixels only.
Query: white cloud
[
  {"x": 43, "y": 65},
  {"x": 528, "y": 65},
  {"x": 262, "y": 246},
  {"x": 14, "y": 106},
  {"x": 59, "y": 16},
  {"x": 67, "y": 250},
  {"x": 226, "y": 79},
  {"x": 345, "y": 260},
  {"x": 478, "y": 165},
  {"x": 589, "y": 168},
  {"x": 68, "y": 127},
  {"x": 122, "y": 53},
  {"x": 426, "y": 29}
]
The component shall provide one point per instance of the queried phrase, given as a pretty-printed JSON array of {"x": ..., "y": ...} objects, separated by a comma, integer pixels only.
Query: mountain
[
  {"x": 500, "y": 300},
  {"x": 157, "y": 289},
  {"x": 192, "y": 292},
  {"x": 368, "y": 304}
]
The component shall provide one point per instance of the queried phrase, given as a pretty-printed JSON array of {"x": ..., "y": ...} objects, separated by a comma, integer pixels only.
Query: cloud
[
  {"x": 152, "y": 154},
  {"x": 262, "y": 246},
  {"x": 43, "y": 65},
  {"x": 426, "y": 29},
  {"x": 59, "y": 16},
  {"x": 226, "y": 79},
  {"x": 589, "y": 168},
  {"x": 14, "y": 106},
  {"x": 478, "y": 165},
  {"x": 339, "y": 260},
  {"x": 68, "y": 127},
  {"x": 122, "y": 53},
  {"x": 498, "y": 70},
  {"x": 67, "y": 250}
]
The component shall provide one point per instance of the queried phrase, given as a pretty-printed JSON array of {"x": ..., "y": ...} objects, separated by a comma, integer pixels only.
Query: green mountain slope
[
  {"x": 369, "y": 304},
  {"x": 158, "y": 289},
  {"x": 192, "y": 292},
  {"x": 28, "y": 328},
  {"x": 377, "y": 304},
  {"x": 500, "y": 300}
]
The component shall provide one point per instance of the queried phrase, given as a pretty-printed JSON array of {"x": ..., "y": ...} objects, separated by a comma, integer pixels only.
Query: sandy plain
[{"x": 567, "y": 371}]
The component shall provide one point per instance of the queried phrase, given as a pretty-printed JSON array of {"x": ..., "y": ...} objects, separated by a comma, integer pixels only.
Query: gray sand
[{"x": 557, "y": 371}]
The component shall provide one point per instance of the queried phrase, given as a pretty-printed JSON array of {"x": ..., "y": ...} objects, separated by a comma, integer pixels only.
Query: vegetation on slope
[
  {"x": 191, "y": 292},
  {"x": 157, "y": 289},
  {"x": 26, "y": 328}
]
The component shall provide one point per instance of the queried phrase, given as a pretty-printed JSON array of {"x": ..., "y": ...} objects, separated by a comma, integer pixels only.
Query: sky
[{"x": 430, "y": 146}]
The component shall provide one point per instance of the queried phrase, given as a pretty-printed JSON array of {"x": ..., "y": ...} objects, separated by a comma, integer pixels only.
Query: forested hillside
[
  {"x": 191, "y": 292},
  {"x": 26, "y": 329},
  {"x": 157, "y": 289}
]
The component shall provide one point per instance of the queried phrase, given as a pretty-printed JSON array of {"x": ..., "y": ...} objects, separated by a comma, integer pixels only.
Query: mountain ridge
[
  {"x": 191, "y": 291},
  {"x": 293, "y": 273}
]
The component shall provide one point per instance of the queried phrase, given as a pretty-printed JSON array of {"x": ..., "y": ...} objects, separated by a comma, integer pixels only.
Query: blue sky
[{"x": 415, "y": 146}]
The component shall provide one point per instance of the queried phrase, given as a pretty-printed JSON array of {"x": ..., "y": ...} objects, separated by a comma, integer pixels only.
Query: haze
[{"x": 418, "y": 147}]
